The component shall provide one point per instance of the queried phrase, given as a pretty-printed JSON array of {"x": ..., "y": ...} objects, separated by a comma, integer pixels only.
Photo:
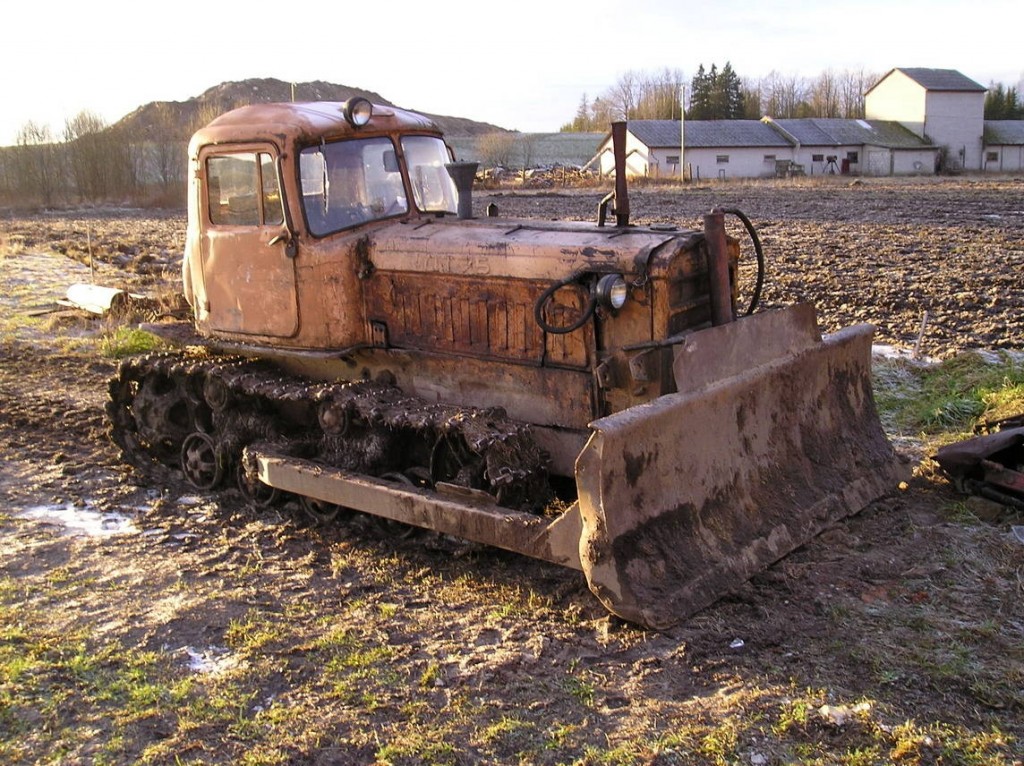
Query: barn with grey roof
[{"x": 918, "y": 121}]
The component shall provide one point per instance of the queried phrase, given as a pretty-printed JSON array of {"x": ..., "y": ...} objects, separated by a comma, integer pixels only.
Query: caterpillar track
[{"x": 198, "y": 413}]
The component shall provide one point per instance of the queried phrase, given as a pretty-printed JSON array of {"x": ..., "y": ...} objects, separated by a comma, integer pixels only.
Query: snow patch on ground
[{"x": 82, "y": 522}]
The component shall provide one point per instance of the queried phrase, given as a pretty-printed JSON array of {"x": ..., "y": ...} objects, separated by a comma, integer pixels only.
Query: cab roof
[{"x": 303, "y": 122}]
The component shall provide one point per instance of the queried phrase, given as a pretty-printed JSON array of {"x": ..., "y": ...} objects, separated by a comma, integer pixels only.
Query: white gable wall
[
  {"x": 953, "y": 120},
  {"x": 956, "y": 121},
  {"x": 898, "y": 98},
  {"x": 663, "y": 163},
  {"x": 639, "y": 159}
]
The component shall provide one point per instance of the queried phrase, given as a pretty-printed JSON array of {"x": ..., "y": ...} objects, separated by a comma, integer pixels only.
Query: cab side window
[{"x": 243, "y": 190}]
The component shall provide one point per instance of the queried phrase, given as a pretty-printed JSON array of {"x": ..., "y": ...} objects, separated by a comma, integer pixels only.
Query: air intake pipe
[{"x": 462, "y": 174}]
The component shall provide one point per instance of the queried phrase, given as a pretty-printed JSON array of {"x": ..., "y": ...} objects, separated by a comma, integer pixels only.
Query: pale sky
[{"x": 522, "y": 65}]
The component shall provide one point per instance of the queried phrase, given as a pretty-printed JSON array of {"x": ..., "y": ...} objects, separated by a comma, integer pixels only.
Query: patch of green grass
[
  {"x": 621, "y": 755},
  {"x": 61, "y": 692},
  {"x": 355, "y": 670},
  {"x": 721, "y": 743},
  {"x": 418, "y": 744},
  {"x": 253, "y": 632},
  {"x": 18, "y": 326},
  {"x": 504, "y": 728},
  {"x": 430, "y": 676},
  {"x": 128, "y": 341},
  {"x": 948, "y": 397},
  {"x": 581, "y": 689},
  {"x": 561, "y": 735},
  {"x": 796, "y": 713}
]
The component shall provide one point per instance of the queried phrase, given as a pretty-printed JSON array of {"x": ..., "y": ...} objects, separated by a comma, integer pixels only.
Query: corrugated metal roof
[
  {"x": 655, "y": 133},
  {"x": 838, "y": 132},
  {"x": 937, "y": 79},
  {"x": 713, "y": 134},
  {"x": 731, "y": 133},
  {"x": 1004, "y": 132},
  {"x": 663, "y": 134}
]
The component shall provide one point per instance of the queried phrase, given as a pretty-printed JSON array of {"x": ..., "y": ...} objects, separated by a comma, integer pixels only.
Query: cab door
[{"x": 248, "y": 258}]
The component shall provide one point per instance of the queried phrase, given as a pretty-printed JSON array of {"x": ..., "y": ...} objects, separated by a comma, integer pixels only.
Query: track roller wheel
[
  {"x": 201, "y": 461},
  {"x": 320, "y": 512},
  {"x": 413, "y": 477},
  {"x": 255, "y": 491}
]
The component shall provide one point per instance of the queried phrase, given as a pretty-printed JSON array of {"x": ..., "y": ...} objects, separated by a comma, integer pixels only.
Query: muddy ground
[{"x": 909, "y": 615}]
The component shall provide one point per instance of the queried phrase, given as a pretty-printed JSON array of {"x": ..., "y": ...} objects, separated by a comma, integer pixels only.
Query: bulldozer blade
[{"x": 772, "y": 437}]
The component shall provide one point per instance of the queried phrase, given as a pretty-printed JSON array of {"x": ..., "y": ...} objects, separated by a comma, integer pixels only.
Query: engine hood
[{"x": 528, "y": 249}]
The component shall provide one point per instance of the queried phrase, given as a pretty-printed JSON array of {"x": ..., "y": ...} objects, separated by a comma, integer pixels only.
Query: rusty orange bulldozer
[{"x": 594, "y": 395}]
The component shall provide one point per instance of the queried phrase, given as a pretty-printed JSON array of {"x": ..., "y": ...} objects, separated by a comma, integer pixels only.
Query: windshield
[
  {"x": 347, "y": 183},
  {"x": 432, "y": 187}
]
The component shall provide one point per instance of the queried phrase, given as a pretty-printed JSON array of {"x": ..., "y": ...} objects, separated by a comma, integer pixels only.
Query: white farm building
[{"x": 918, "y": 121}]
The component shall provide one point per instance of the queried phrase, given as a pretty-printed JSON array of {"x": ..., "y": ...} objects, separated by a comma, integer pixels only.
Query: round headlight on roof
[
  {"x": 612, "y": 291},
  {"x": 358, "y": 111}
]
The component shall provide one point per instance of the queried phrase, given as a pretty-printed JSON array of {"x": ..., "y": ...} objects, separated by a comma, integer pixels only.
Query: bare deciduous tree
[
  {"x": 625, "y": 95},
  {"x": 103, "y": 161},
  {"x": 636, "y": 96},
  {"x": 526, "y": 145},
  {"x": 785, "y": 95},
  {"x": 824, "y": 95},
  {"x": 853, "y": 84},
  {"x": 39, "y": 171},
  {"x": 167, "y": 152},
  {"x": 497, "y": 149}
]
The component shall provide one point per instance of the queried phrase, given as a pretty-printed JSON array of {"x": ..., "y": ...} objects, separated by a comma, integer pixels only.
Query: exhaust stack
[{"x": 619, "y": 198}]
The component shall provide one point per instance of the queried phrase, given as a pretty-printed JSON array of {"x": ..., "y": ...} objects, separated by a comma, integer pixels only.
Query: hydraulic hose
[
  {"x": 538, "y": 307},
  {"x": 759, "y": 252}
]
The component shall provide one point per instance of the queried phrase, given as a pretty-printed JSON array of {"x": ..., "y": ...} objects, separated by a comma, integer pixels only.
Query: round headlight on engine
[
  {"x": 358, "y": 111},
  {"x": 612, "y": 291}
]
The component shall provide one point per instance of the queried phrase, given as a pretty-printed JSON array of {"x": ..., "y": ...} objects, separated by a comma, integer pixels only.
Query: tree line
[
  {"x": 93, "y": 162},
  {"x": 721, "y": 94},
  {"x": 1002, "y": 103}
]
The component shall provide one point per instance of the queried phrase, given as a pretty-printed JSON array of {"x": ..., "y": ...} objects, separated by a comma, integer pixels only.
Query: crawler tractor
[{"x": 598, "y": 395}]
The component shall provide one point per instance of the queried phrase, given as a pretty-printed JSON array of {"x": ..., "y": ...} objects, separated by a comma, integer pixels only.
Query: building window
[
  {"x": 991, "y": 156},
  {"x": 817, "y": 158},
  {"x": 672, "y": 159},
  {"x": 722, "y": 159},
  {"x": 769, "y": 159},
  {"x": 852, "y": 157}
]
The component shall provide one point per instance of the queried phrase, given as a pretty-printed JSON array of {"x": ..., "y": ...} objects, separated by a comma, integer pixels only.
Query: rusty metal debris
[{"x": 990, "y": 465}]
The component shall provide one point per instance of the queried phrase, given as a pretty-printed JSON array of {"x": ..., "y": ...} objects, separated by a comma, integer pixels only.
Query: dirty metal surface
[
  {"x": 447, "y": 511},
  {"x": 685, "y": 498}
]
